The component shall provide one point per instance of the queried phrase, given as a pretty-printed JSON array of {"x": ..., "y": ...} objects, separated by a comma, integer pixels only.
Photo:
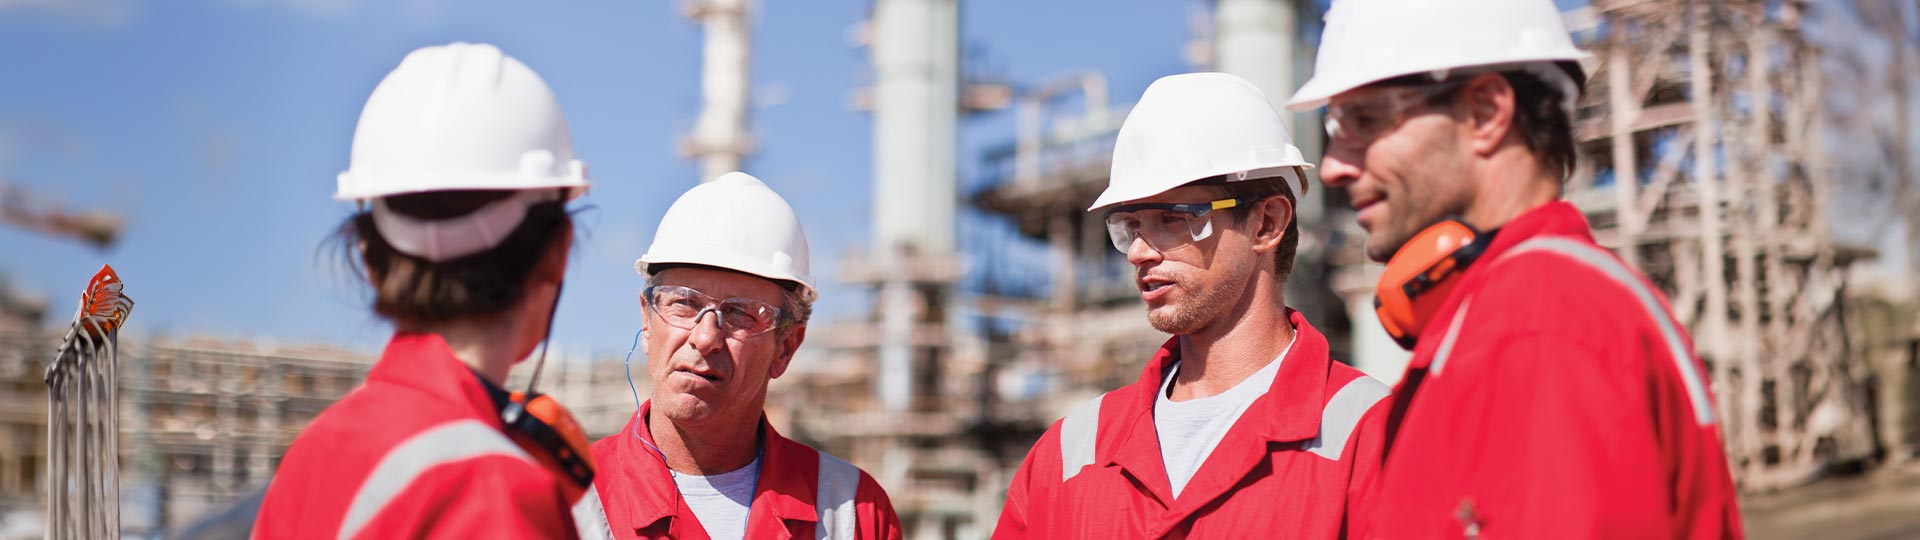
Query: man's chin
[
  {"x": 1381, "y": 250},
  {"x": 684, "y": 408},
  {"x": 1168, "y": 320}
]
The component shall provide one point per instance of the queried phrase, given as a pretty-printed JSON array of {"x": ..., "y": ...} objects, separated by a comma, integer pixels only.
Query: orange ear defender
[
  {"x": 1422, "y": 274},
  {"x": 547, "y": 430}
]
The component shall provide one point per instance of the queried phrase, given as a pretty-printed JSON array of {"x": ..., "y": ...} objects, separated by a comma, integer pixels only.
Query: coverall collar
[
  {"x": 647, "y": 491},
  {"x": 1288, "y": 414}
]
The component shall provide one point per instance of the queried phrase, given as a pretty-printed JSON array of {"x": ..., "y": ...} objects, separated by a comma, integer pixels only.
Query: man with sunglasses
[
  {"x": 725, "y": 307},
  {"x": 1240, "y": 426},
  {"x": 1552, "y": 393}
]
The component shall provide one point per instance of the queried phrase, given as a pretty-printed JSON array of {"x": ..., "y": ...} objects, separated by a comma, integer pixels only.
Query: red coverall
[
  {"x": 417, "y": 452},
  {"x": 800, "y": 489},
  {"x": 1554, "y": 397},
  {"x": 1297, "y": 464}
]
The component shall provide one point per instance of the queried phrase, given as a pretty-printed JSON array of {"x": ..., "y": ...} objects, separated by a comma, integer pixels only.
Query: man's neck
[
  {"x": 481, "y": 344},
  {"x": 1511, "y": 184},
  {"x": 705, "y": 450},
  {"x": 1219, "y": 357}
]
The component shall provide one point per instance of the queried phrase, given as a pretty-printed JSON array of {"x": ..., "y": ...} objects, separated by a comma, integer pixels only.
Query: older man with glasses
[
  {"x": 1241, "y": 425},
  {"x": 725, "y": 307}
]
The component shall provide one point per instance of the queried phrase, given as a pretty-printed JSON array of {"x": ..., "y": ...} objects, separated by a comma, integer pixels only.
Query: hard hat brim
[
  {"x": 361, "y": 186},
  {"x": 1295, "y": 181},
  {"x": 716, "y": 258},
  {"x": 1321, "y": 89}
]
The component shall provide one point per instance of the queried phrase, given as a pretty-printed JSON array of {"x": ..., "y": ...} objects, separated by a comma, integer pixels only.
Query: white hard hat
[
  {"x": 1367, "y": 41},
  {"x": 461, "y": 116},
  {"x": 734, "y": 222},
  {"x": 1196, "y": 126}
]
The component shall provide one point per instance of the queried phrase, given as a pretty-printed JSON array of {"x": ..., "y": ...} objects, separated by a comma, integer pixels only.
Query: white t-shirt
[
  {"x": 1190, "y": 429},
  {"x": 721, "y": 501}
]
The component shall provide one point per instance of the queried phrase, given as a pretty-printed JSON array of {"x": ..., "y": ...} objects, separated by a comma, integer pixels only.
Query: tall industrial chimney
[{"x": 719, "y": 139}]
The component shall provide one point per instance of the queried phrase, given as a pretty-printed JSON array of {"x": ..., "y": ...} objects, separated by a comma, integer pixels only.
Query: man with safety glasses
[
  {"x": 725, "y": 307},
  {"x": 1552, "y": 393},
  {"x": 1240, "y": 426}
]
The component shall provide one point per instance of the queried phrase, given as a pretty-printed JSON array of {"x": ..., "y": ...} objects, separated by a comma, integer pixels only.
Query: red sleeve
[
  {"x": 877, "y": 519},
  {"x": 1014, "y": 512},
  {"x": 491, "y": 497},
  {"x": 1366, "y": 452}
]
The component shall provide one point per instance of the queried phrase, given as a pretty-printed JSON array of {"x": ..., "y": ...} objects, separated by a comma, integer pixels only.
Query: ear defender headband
[{"x": 1423, "y": 274}]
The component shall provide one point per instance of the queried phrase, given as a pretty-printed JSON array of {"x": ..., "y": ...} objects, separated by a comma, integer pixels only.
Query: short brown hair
[
  {"x": 409, "y": 289},
  {"x": 1543, "y": 123},
  {"x": 1253, "y": 191}
]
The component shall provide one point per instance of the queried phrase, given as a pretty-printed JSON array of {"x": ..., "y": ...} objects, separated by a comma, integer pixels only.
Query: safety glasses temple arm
[{"x": 1195, "y": 209}]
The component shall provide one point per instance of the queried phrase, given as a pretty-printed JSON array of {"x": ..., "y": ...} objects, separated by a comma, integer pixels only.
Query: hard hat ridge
[
  {"x": 1197, "y": 126},
  {"x": 734, "y": 222},
  {"x": 1367, "y": 41},
  {"x": 458, "y": 117}
]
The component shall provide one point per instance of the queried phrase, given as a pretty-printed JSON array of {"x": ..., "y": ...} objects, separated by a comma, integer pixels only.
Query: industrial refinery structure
[{"x": 976, "y": 342}]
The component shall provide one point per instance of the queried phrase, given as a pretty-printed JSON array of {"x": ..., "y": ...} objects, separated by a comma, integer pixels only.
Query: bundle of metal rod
[{"x": 83, "y": 417}]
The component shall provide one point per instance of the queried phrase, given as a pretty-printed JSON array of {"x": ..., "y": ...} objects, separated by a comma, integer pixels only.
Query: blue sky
[{"x": 216, "y": 128}]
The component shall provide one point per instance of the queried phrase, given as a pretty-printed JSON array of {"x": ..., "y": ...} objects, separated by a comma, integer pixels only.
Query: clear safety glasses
[
  {"x": 740, "y": 318},
  {"x": 1163, "y": 226},
  {"x": 1361, "y": 119}
]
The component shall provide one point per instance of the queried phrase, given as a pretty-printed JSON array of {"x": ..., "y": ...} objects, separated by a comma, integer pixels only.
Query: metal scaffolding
[{"x": 1702, "y": 117}]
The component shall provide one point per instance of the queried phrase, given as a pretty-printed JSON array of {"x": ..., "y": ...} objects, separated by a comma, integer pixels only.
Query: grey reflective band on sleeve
[
  {"x": 1603, "y": 261},
  {"x": 590, "y": 518},
  {"x": 1441, "y": 354},
  {"x": 1077, "y": 436},
  {"x": 833, "y": 499},
  {"x": 451, "y": 442},
  {"x": 1343, "y": 413}
]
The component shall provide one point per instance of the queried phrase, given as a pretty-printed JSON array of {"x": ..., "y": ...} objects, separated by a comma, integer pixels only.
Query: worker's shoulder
[
  {"x": 1340, "y": 374},
  {"x": 831, "y": 470},
  {"x": 1552, "y": 282},
  {"x": 1346, "y": 383},
  {"x": 1563, "y": 260},
  {"x": 366, "y": 418},
  {"x": 1082, "y": 420},
  {"x": 511, "y": 468},
  {"x": 1554, "y": 257},
  {"x": 782, "y": 451},
  {"x": 610, "y": 445}
]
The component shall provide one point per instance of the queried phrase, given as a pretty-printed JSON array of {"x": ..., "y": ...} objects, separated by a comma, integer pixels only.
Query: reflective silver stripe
[
  {"x": 1613, "y": 269},
  {"x": 833, "y": 499},
  {"x": 1343, "y": 413},
  {"x": 451, "y": 442},
  {"x": 590, "y": 518},
  {"x": 1077, "y": 434},
  {"x": 1446, "y": 343}
]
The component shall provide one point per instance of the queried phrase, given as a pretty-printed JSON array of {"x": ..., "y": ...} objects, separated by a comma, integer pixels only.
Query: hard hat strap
[{"x": 447, "y": 239}]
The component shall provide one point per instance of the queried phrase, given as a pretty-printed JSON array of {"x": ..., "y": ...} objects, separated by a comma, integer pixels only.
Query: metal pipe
[
  {"x": 719, "y": 139},
  {"x": 1706, "y": 174}
]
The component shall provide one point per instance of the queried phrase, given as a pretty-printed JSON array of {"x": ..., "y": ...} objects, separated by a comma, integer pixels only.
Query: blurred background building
[{"x": 1752, "y": 157}]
